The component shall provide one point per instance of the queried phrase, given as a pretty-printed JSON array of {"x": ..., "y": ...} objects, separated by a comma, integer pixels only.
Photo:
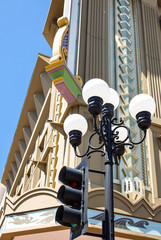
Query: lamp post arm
[
  {"x": 88, "y": 153},
  {"x": 131, "y": 143},
  {"x": 90, "y": 147},
  {"x": 80, "y": 156},
  {"x": 143, "y": 138}
]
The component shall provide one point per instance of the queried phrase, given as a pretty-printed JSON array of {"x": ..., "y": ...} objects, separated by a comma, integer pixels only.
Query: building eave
[{"x": 29, "y": 105}]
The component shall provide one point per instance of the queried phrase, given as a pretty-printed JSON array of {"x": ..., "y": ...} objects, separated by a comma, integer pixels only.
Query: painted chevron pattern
[{"x": 127, "y": 79}]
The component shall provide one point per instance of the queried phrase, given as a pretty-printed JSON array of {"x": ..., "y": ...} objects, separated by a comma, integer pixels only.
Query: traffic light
[{"x": 74, "y": 193}]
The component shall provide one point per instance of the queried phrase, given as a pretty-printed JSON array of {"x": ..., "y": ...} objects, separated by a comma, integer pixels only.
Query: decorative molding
[
  {"x": 123, "y": 222},
  {"x": 127, "y": 75},
  {"x": 43, "y": 220},
  {"x": 128, "y": 206},
  {"x": 13, "y": 204},
  {"x": 149, "y": 229}
]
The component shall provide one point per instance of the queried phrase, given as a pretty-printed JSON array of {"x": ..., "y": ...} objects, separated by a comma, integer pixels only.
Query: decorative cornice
[
  {"x": 127, "y": 206},
  {"x": 14, "y": 203}
]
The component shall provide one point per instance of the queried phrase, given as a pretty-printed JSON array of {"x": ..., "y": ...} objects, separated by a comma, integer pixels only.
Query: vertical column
[
  {"x": 151, "y": 84},
  {"x": 152, "y": 51}
]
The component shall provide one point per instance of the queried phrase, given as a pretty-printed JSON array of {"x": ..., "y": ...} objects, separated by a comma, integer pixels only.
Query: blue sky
[{"x": 21, "y": 39}]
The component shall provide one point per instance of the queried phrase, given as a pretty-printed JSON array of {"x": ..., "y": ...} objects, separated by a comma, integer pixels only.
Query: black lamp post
[{"x": 112, "y": 136}]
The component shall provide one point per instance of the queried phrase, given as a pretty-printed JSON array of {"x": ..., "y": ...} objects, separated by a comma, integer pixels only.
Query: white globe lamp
[{"x": 76, "y": 126}]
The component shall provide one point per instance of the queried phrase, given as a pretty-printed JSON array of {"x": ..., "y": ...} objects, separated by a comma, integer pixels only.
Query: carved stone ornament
[{"x": 60, "y": 52}]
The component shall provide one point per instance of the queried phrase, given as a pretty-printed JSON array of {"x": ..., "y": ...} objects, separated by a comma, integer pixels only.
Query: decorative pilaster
[{"x": 127, "y": 82}]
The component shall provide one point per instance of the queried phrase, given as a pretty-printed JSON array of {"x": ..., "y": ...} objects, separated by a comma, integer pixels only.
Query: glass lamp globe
[
  {"x": 113, "y": 98},
  {"x": 142, "y": 103},
  {"x": 75, "y": 122},
  {"x": 95, "y": 92},
  {"x": 96, "y": 87}
]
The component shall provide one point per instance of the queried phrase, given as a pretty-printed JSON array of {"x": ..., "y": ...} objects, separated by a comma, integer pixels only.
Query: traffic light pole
[
  {"x": 108, "y": 223},
  {"x": 108, "y": 232}
]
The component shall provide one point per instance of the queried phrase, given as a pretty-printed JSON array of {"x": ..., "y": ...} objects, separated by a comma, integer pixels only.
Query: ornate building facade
[{"x": 119, "y": 42}]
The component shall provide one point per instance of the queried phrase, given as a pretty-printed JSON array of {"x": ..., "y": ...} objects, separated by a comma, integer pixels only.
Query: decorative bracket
[
  {"x": 57, "y": 126},
  {"x": 70, "y": 87},
  {"x": 60, "y": 52}
]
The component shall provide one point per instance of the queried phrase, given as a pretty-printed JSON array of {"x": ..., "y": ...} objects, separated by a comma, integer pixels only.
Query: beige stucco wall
[{"x": 147, "y": 205}]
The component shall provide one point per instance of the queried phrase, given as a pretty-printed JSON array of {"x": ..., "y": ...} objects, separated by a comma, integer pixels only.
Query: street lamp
[{"x": 112, "y": 136}]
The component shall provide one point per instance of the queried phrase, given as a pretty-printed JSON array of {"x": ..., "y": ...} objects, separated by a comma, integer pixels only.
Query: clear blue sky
[{"x": 21, "y": 39}]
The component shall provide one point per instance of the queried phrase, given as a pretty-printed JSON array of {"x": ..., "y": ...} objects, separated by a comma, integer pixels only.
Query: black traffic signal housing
[{"x": 74, "y": 193}]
